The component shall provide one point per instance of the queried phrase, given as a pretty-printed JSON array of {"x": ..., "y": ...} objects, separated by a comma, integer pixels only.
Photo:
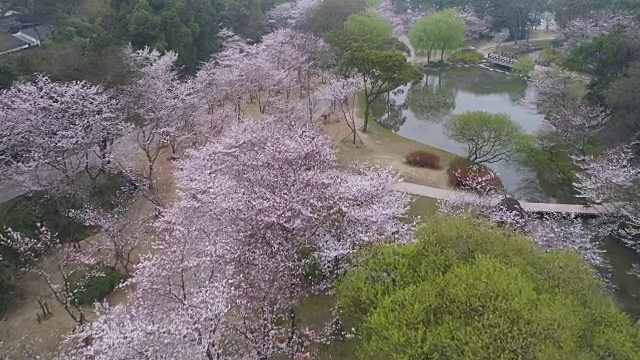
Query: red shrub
[
  {"x": 464, "y": 174},
  {"x": 423, "y": 158}
]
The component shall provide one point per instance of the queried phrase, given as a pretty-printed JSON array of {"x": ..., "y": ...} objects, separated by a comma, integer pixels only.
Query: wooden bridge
[
  {"x": 538, "y": 208},
  {"x": 506, "y": 61}
]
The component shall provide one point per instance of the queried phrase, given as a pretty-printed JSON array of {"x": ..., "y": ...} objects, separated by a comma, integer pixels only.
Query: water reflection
[
  {"x": 390, "y": 111},
  {"x": 431, "y": 98},
  {"x": 480, "y": 81},
  {"x": 418, "y": 110}
]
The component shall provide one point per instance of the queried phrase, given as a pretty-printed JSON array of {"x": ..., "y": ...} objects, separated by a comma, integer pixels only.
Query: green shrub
[
  {"x": 523, "y": 65},
  {"x": 557, "y": 42},
  {"x": 466, "y": 57},
  {"x": 470, "y": 290},
  {"x": 23, "y": 216},
  {"x": 28, "y": 211},
  {"x": 96, "y": 286},
  {"x": 549, "y": 54}
]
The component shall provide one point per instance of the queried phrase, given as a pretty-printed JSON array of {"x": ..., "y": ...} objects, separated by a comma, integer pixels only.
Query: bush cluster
[
  {"x": 423, "y": 158},
  {"x": 96, "y": 285},
  {"x": 466, "y": 175},
  {"x": 523, "y": 66},
  {"x": 549, "y": 54},
  {"x": 25, "y": 213},
  {"x": 466, "y": 57},
  {"x": 467, "y": 289}
]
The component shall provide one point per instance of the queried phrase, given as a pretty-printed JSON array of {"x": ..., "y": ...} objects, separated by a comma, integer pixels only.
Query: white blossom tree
[
  {"x": 551, "y": 231},
  {"x": 401, "y": 20},
  {"x": 52, "y": 131},
  {"x": 585, "y": 29},
  {"x": 342, "y": 93},
  {"x": 475, "y": 26},
  {"x": 229, "y": 270},
  {"x": 500, "y": 37},
  {"x": 70, "y": 265}
]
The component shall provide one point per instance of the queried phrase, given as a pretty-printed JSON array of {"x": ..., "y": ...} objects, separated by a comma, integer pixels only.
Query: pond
[{"x": 418, "y": 111}]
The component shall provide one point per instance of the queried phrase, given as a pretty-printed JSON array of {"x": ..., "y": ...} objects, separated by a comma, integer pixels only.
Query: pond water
[{"x": 418, "y": 111}]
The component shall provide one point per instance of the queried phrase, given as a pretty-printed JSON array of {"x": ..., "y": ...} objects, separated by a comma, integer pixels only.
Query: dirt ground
[{"x": 20, "y": 332}]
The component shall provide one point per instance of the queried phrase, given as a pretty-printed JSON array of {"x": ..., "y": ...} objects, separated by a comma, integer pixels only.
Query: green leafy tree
[
  {"x": 567, "y": 10},
  {"x": 381, "y": 71},
  {"x": 244, "y": 17},
  {"x": 439, "y": 31},
  {"x": 330, "y": 15},
  {"x": 470, "y": 290},
  {"x": 489, "y": 138},
  {"x": 431, "y": 98},
  {"x": 523, "y": 66},
  {"x": 362, "y": 28},
  {"x": 606, "y": 57},
  {"x": 8, "y": 75},
  {"x": 623, "y": 96},
  {"x": 189, "y": 27},
  {"x": 365, "y": 48}
]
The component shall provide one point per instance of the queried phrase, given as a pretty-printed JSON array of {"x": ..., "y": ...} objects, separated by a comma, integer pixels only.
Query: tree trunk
[{"x": 366, "y": 118}]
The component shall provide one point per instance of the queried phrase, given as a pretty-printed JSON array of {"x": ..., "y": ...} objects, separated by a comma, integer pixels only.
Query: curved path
[{"x": 582, "y": 210}]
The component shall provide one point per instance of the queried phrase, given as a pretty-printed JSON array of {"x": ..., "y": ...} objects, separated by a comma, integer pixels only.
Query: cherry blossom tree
[
  {"x": 577, "y": 128},
  {"x": 547, "y": 20},
  {"x": 342, "y": 93},
  {"x": 71, "y": 264},
  {"x": 163, "y": 108},
  {"x": 229, "y": 267},
  {"x": 121, "y": 234},
  {"x": 611, "y": 178},
  {"x": 401, "y": 20},
  {"x": 475, "y": 26},
  {"x": 289, "y": 14},
  {"x": 52, "y": 131},
  {"x": 501, "y": 36},
  {"x": 221, "y": 79},
  {"x": 166, "y": 106},
  {"x": 582, "y": 30},
  {"x": 551, "y": 231},
  {"x": 556, "y": 92}
]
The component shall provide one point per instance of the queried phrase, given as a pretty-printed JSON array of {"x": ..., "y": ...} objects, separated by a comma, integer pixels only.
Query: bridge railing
[{"x": 500, "y": 58}]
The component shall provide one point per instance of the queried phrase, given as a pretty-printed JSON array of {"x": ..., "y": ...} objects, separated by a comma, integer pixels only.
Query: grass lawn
[
  {"x": 384, "y": 147},
  {"x": 6, "y": 41}
]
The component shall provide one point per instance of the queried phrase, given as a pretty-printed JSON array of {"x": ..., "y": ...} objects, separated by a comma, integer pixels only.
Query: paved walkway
[{"x": 440, "y": 194}]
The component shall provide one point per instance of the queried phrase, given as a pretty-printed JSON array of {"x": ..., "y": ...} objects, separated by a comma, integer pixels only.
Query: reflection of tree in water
[
  {"x": 431, "y": 98},
  {"x": 480, "y": 81},
  {"x": 388, "y": 112}
]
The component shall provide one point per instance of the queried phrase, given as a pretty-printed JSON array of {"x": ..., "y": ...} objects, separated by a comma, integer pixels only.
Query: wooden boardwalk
[{"x": 540, "y": 208}]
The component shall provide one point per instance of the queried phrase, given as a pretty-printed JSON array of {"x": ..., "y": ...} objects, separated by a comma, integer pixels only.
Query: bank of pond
[{"x": 418, "y": 111}]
